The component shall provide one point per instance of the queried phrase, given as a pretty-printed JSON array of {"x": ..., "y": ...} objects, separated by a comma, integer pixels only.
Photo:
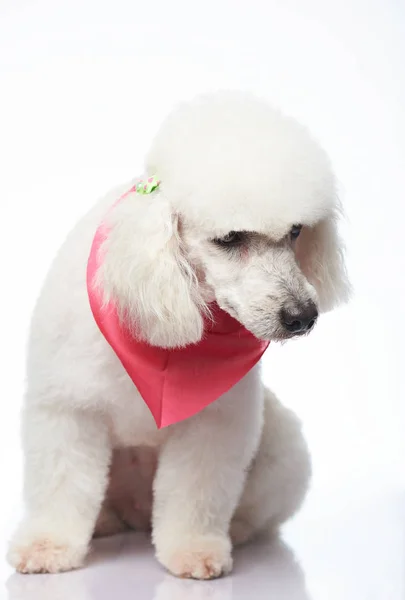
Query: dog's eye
[
  {"x": 295, "y": 231},
  {"x": 231, "y": 239}
]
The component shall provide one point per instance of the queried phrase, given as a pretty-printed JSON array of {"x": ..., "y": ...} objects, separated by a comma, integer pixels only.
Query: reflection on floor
[{"x": 123, "y": 568}]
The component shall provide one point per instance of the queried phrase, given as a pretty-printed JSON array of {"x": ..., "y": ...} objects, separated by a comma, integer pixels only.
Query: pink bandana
[{"x": 176, "y": 383}]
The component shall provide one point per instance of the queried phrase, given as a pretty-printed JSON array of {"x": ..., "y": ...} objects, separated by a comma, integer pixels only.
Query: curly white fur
[{"x": 228, "y": 162}]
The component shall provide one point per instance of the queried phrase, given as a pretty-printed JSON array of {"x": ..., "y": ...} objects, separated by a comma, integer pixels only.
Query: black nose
[{"x": 300, "y": 321}]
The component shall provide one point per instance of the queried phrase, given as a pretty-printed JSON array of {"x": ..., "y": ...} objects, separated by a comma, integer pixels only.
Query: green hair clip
[{"x": 147, "y": 186}]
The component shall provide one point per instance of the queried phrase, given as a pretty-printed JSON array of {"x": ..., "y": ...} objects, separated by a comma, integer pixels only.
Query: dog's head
[{"x": 246, "y": 215}]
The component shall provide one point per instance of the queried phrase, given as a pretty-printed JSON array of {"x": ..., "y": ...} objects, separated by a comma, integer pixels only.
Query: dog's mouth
[
  {"x": 268, "y": 332},
  {"x": 283, "y": 336},
  {"x": 273, "y": 328},
  {"x": 278, "y": 335},
  {"x": 279, "y": 327}
]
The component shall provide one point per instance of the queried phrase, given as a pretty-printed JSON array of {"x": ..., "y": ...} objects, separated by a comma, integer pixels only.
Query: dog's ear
[
  {"x": 145, "y": 273},
  {"x": 320, "y": 253}
]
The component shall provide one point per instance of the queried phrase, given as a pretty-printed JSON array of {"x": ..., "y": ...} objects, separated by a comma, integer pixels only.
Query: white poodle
[{"x": 243, "y": 217}]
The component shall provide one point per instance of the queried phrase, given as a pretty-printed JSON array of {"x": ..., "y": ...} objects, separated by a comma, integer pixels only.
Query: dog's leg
[
  {"x": 200, "y": 477},
  {"x": 278, "y": 479},
  {"x": 67, "y": 455}
]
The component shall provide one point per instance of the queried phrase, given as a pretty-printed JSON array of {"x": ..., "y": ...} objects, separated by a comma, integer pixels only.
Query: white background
[{"x": 83, "y": 86}]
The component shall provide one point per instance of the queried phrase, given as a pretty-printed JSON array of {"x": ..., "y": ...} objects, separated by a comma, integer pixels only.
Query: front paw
[
  {"x": 196, "y": 557},
  {"x": 44, "y": 552}
]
